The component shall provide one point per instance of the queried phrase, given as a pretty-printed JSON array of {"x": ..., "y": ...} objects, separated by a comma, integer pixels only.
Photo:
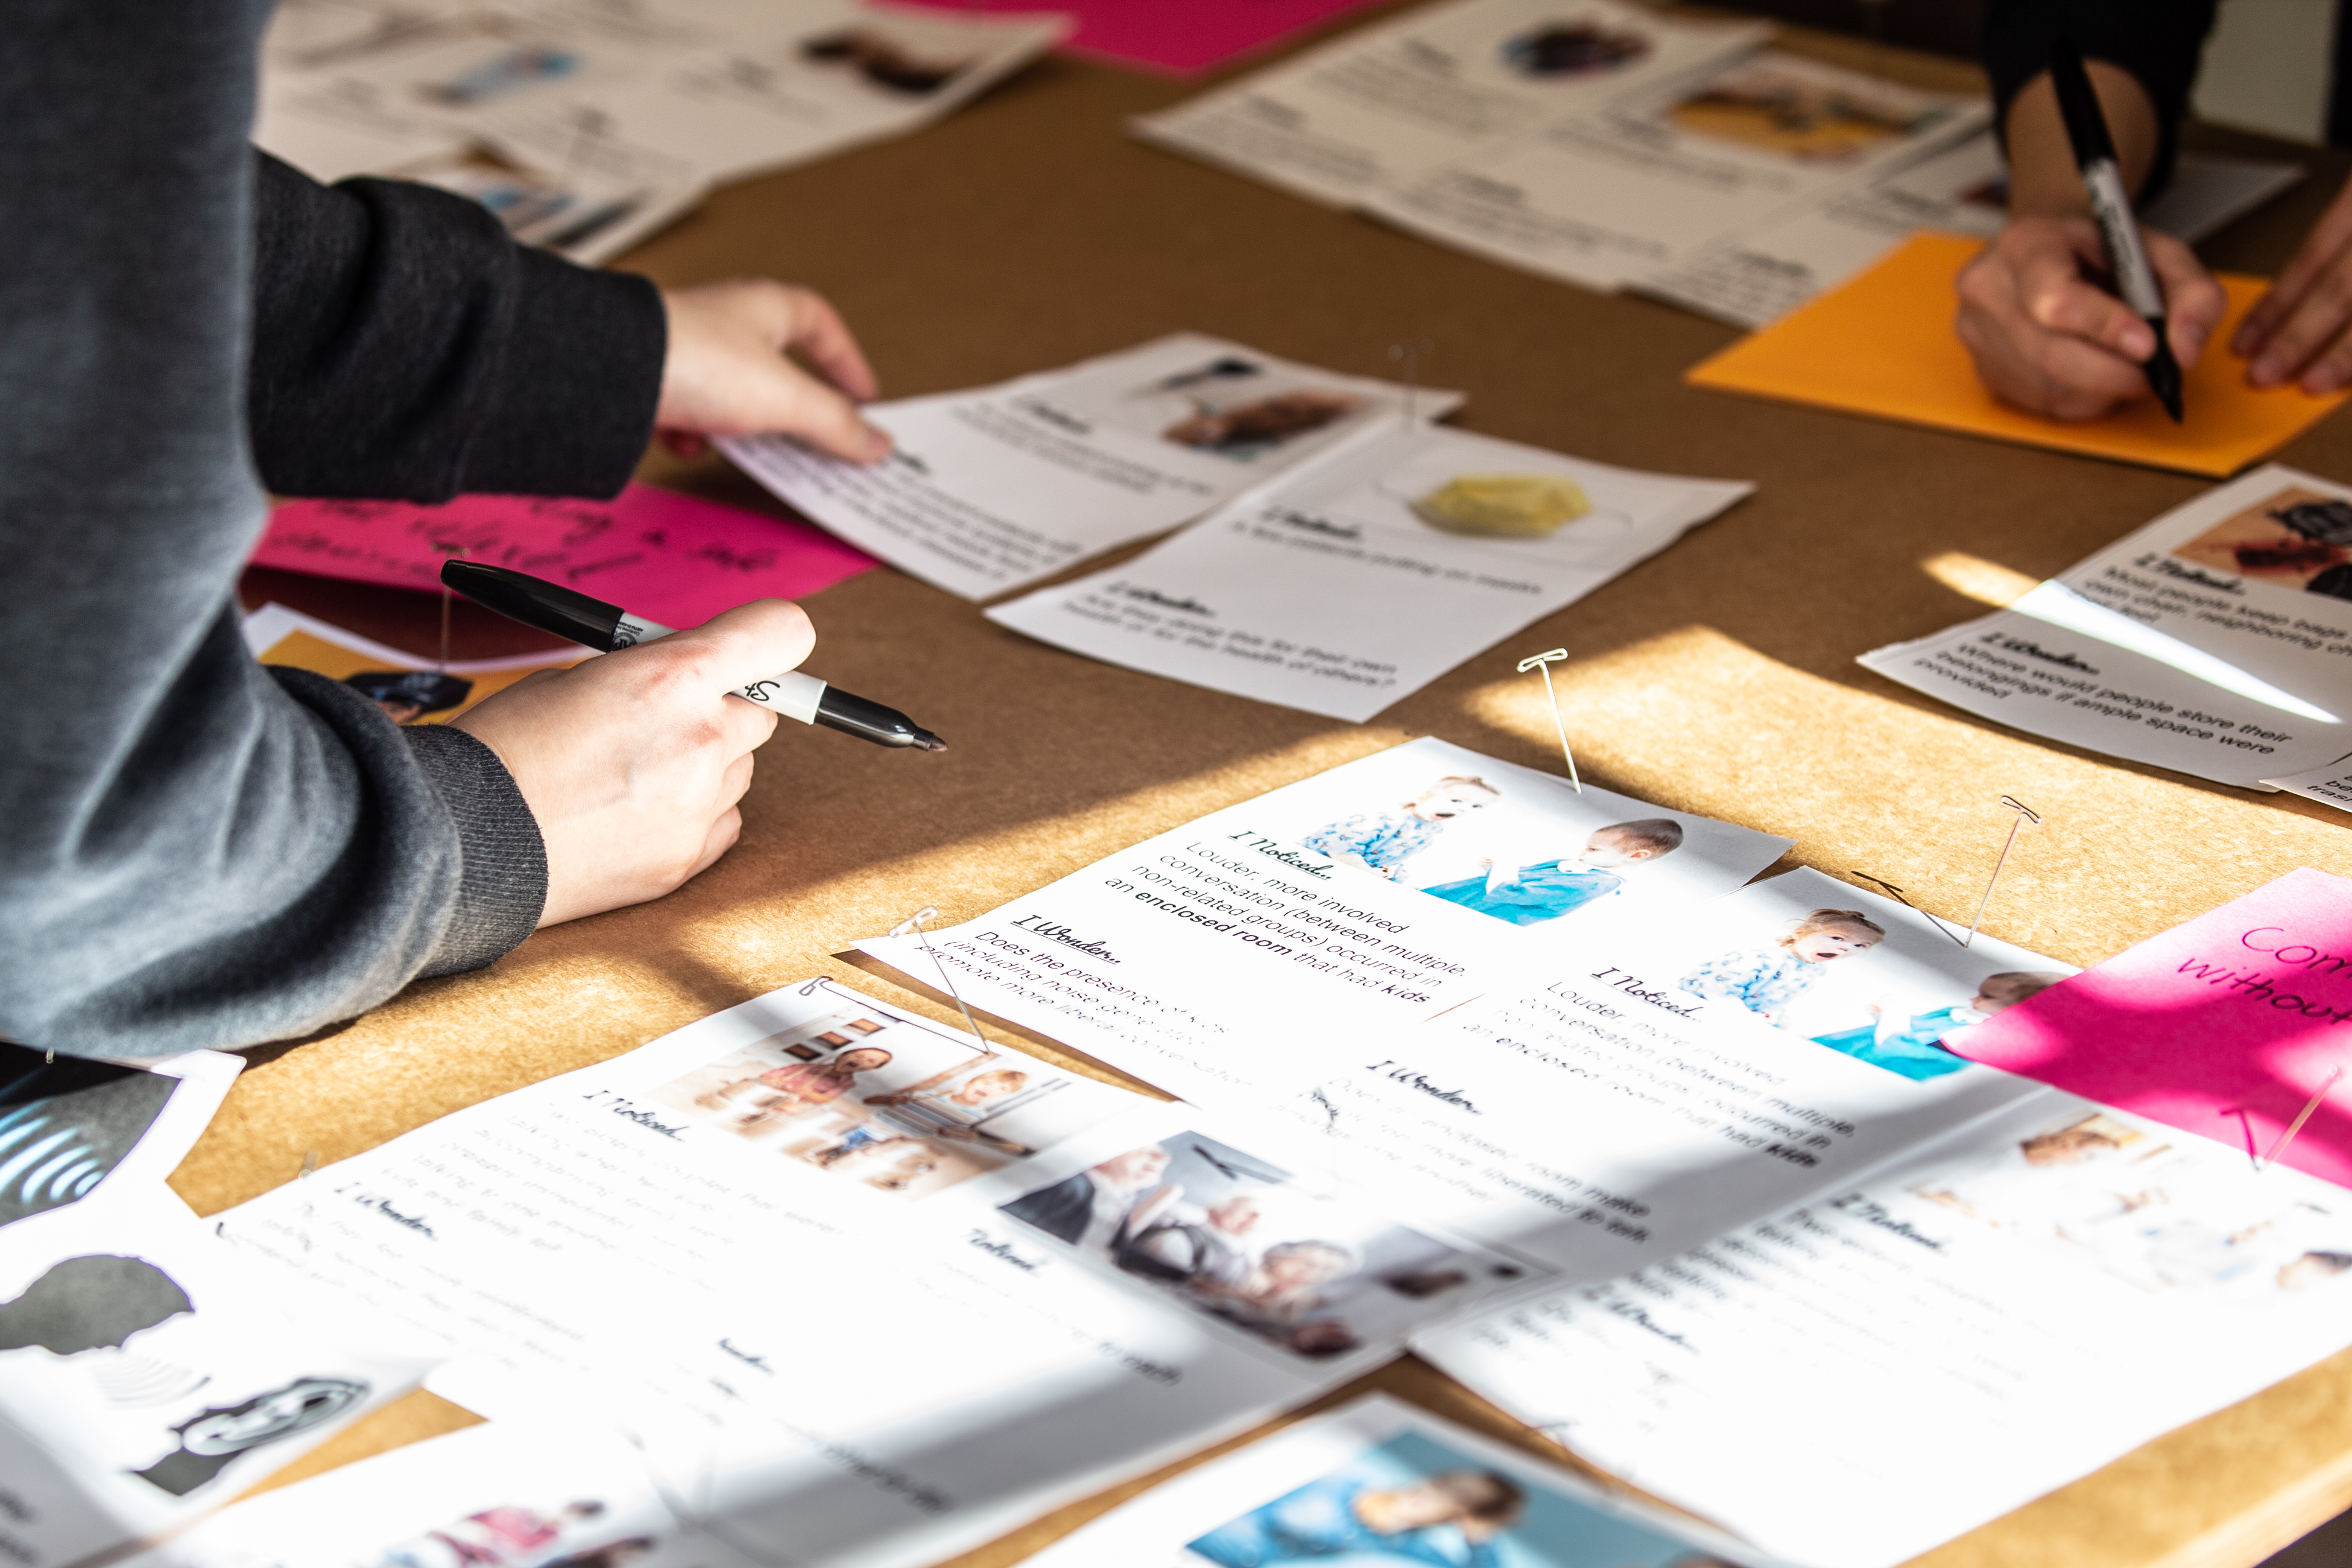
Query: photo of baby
[
  {"x": 2297, "y": 539},
  {"x": 2159, "y": 1211},
  {"x": 1236, "y": 1238},
  {"x": 1506, "y": 842},
  {"x": 1557, "y": 51},
  {"x": 1415, "y": 1499},
  {"x": 1384, "y": 841},
  {"x": 1807, "y": 114},
  {"x": 1546, "y": 889},
  {"x": 1865, "y": 976},
  {"x": 891, "y": 1102}
]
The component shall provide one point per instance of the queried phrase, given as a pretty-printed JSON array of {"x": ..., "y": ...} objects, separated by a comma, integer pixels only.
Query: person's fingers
[
  {"x": 2314, "y": 322},
  {"x": 2331, "y": 369},
  {"x": 2193, "y": 303},
  {"x": 2057, "y": 298},
  {"x": 763, "y": 638},
  {"x": 797, "y": 401},
  {"x": 2320, "y": 248},
  {"x": 736, "y": 781},
  {"x": 819, "y": 335}
]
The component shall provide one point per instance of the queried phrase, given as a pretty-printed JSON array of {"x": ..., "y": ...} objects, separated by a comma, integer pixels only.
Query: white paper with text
[
  {"x": 995, "y": 489},
  {"x": 1357, "y": 582}
]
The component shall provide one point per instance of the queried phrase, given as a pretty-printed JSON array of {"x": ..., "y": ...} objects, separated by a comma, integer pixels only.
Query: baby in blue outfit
[{"x": 1551, "y": 889}]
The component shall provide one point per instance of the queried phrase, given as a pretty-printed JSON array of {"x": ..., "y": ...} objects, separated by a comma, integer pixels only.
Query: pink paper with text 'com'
[
  {"x": 2225, "y": 1026},
  {"x": 1179, "y": 36},
  {"x": 667, "y": 557}
]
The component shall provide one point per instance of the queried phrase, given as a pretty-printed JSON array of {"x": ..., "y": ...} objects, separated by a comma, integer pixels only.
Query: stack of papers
[
  {"x": 1602, "y": 144},
  {"x": 586, "y": 126}
]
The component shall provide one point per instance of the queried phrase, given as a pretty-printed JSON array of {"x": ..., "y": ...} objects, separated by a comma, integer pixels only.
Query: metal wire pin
[
  {"x": 1541, "y": 663},
  {"x": 913, "y": 926},
  {"x": 2295, "y": 1126}
]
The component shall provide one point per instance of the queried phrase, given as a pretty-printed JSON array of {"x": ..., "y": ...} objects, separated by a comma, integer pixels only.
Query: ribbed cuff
[
  {"x": 503, "y": 886},
  {"x": 578, "y": 384}
]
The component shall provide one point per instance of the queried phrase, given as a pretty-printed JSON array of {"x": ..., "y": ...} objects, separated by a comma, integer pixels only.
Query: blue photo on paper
[{"x": 1413, "y": 1501}]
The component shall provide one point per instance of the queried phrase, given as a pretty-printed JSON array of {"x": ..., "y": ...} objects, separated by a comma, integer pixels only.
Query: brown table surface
[{"x": 1030, "y": 230}]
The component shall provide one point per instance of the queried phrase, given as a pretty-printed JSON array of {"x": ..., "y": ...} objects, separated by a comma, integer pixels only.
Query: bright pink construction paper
[
  {"x": 666, "y": 556},
  {"x": 2230, "y": 1023},
  {"x": 1179, "y": 36}
]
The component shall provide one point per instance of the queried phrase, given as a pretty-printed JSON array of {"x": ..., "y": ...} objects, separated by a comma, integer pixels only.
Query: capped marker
[{"x": 567, "y": 613}]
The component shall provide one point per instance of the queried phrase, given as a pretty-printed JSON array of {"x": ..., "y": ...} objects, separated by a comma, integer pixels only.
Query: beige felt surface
[{"x": 1717, "y": 678}]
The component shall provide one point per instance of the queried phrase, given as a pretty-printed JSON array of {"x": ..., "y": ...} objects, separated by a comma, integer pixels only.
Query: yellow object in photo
[{"x": 1503, "y": 506}]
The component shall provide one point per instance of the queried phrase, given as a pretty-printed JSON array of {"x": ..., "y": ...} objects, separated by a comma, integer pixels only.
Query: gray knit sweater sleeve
[{"x": 193, "y": 851}]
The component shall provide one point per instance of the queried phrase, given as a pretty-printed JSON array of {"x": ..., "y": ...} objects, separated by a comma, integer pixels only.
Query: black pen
[
  {"x": 2095, "y": 151},
  {"x": 563, "y": 612}
]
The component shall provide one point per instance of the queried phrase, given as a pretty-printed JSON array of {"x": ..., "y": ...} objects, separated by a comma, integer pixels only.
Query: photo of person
[
  {"x": 890, "y": 63},
  {"x": 889, "y": 1101},
  {"x": 1870, "y": 979},
  {"x": 1765, "y": 980},
  {"x": 1914, "y": 1046},
  {"x": 408, "y": 695},
  {"x": 1239, "y": 1240},
  {"x": 1384, "y": 841},
  {"x": 1806, "y": 113},
  {"x": 1555, "y": 51},
  {"x": 1546, "y": 889},
  {"x": 503, "y": 1537},
  {"x": 508, "y": 71},
  {"x": 2156, "y": 1211},
  {"x": 2298, "y": 538},
  {"x": 1205, "y": 399},
  {"x": 1426, "y": 1497}
]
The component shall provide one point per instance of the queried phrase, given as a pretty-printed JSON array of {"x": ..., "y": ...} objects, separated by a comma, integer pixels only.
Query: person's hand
[
  {"x": 2053, "y": 343},
  {"x": 2301, "y": 329},
  {"x": 728, "y": 370},
  {"x": 633, "y": 762}
]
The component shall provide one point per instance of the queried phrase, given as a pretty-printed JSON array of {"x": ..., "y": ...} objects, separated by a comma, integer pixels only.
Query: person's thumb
[{"x": 810, "y": 411}]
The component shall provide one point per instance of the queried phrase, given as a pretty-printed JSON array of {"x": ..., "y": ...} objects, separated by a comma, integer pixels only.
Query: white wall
[{"x": 2266, "y": 68}]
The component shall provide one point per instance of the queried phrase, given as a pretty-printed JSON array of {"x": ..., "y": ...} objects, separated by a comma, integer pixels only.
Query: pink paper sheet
[
  {"x": 2225, "y": 1026},
  {"x": 666, "y": 556},
  {"x": 1179, "y": 36}
]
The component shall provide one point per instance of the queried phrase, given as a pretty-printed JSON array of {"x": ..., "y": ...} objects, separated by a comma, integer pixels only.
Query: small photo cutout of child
[
  {"x": 1546, "y": 889},
  {"x": 1912, "y": 1046},
  {"x": 1384, "y": 841},
  {"x": 2297, "y": 539},
  {"x": 1765, "y": 980}
]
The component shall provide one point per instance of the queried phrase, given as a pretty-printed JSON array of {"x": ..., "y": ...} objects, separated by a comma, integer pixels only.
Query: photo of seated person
[
  {"x": 1914, "y": 1046},
  {"x": 1551, "y": 889},
  {"x": 796, "y": 1088},
  {"x": 1449, "y": 1521},
  {"x": 1385, "y": 841},
  {"x": 1099, "y": 1209},
  {"x": 1195, "y": 1244},
  {"x": 372, "y": 339},
  {"x": 930, "y": 1108},
  {"x": 2043, "y": 335}
]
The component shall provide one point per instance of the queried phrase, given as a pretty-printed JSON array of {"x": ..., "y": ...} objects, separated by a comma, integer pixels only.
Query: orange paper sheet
[{"x": 1883, "y": 344}]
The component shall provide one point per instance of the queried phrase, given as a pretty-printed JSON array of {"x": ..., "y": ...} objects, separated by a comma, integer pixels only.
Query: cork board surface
[{"x": 1719, "y": 677}]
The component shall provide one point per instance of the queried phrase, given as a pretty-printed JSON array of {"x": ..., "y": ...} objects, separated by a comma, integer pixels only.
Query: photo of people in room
[
  {"x": 2298, "y": 538},
  {"x": 1238, "y": 1239},
  {"x": 2156, "y": 1209},
  {"x": 891, "y": 1102}
]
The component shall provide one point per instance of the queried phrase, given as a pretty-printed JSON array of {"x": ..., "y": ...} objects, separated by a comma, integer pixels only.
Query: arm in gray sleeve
[{"x": 193, "y": 851}]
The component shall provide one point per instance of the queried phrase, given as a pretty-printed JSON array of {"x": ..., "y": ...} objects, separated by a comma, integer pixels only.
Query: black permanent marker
[
  {"x": 2095, "y": 151},
  {"x": 565, "y": 612}
]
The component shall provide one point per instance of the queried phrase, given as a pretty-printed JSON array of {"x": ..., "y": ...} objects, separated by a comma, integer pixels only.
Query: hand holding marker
[
  {"x": 565, "y": 612},
  {"x": 2095, "y": 151}
]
